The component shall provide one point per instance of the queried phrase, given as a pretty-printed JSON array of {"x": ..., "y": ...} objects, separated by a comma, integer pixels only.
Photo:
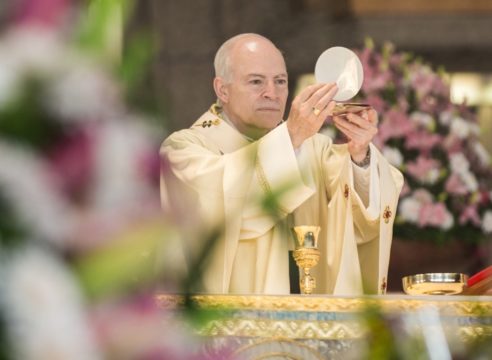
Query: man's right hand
[{"x": 309, "y": 110}]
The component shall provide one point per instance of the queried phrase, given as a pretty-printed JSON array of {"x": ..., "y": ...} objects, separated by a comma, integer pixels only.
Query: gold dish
[
  {"x": 345, "y": 108},
  {"x": 435, "y": 284}
]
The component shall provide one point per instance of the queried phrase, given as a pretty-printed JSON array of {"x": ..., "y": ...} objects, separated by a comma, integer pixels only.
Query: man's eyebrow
[
  {"x": 256, "y": 75},
  {"x": 283, "y": 75}
]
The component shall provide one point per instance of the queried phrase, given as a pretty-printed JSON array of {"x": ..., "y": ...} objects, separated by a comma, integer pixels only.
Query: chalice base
[{"x": 307, "y": 258}]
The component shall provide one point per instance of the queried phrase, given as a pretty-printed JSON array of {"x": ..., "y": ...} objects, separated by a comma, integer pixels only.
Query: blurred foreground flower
[{"x": 83, "y": 241}]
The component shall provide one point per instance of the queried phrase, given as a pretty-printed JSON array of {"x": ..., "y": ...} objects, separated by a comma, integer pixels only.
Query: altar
[{"x": 327, "y": 327}]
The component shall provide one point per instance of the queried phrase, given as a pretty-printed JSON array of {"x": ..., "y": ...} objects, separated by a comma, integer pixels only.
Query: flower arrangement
[
  {"x": 81, "y": 220},
  {"x": 448, "y": 174}
]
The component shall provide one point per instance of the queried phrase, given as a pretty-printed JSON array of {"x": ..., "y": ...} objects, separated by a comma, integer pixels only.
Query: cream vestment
[{"x": 226, "y": 176}]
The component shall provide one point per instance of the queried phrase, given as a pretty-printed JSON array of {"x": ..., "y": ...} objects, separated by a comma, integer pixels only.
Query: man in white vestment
[{"x": 241, "y": 151}]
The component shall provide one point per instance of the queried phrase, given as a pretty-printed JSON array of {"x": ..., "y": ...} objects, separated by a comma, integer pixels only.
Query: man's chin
[{"x": 270, "y": 119}]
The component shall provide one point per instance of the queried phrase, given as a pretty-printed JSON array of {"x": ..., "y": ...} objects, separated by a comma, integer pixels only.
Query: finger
[
  {"x": 344, "y": 132},
  {"x": 328, "y": 90},
  {"x": 328, "y": 110},
  {"x": 372, "y": 116},
  {"x": 326, "y": 98},
  {"x": 359, "y": 120},
  {"x": 352, "y": 129},
  {"x": 307, "y": 92}
]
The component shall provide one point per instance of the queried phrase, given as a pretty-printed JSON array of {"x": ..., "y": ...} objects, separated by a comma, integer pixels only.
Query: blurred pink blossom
[
  {"x": 434, "y": 214},
  {"x": 422, "y": 140},
  {"x": 454, "y": 185},
  {"x": 71, "y": 159},
  {"x": 405, "y": 189},
  {"x": 394, "y": 124},
  {"x": 422, "y": 167},
  {"x": 470, "y": 214},
  {"x": 49, "y": 13}
]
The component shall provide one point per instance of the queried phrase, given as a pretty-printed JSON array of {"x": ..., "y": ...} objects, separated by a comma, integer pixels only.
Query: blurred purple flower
[{"x": 72, "y": 161}]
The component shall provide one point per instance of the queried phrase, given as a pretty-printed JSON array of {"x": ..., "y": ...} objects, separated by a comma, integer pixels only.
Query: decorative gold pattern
[
  {"x": 209, "y": 123},
  {"x": 346, "y": 191},
  {"x": 290, "y": 329},
  {"x": 455, "y": 305},
  {"x": 387, "y": 214},
  {"x": 216, "y": 109},
  {"x": 284, "y": 344},
  {"x": 471, "y": 314}
]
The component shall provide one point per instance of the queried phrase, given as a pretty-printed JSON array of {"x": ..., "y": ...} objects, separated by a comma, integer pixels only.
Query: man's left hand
[{"x": 359, "y": 129}]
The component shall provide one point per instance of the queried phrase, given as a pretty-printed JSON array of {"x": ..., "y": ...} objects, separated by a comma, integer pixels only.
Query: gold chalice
[{"x": 306, "y": 255}]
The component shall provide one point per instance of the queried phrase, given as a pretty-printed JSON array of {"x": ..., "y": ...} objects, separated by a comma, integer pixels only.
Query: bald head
[
  {"x": 224, "y": 58},
  {"x": 251, "y": 83}
]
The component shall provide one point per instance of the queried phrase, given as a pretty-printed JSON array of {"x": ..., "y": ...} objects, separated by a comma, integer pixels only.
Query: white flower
[
  {"x": 423, "y": 119},
  {"x": 459, "y": 163},
  {"x": 423, "y": 196},
  {"x": 34, "y": 50},
  {"x": 445, "y": 117},
  {"x": 487, "y": 222},
  {"x": 482, "y": 153},
  {"x": 432, "y": 176},
  {"x": 448, "y": 222},
  {"x": 475, "y": 129},
  {"x": 82, "y": 92},
  {"x": 469, "y": 180},
  {"x": 27, "y": 51},
  {"x": 44, "y": 313},
  {"x": 28, "y": 188},
  {"x": 393, "y": 155},
  {"x": 119, "y": 182},
  {"x": 409, "y": 209},
  {"x": 460, "y": 127}
]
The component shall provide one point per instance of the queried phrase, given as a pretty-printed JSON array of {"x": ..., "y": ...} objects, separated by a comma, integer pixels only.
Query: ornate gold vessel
[
  {"x": 306, "y": 255},
  {"x": 434, "y": 284},
  {"x": 345, "y": 108}
]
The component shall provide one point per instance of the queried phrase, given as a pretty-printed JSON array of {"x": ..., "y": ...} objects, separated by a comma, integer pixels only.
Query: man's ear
[{"x": 221, "y": 90}]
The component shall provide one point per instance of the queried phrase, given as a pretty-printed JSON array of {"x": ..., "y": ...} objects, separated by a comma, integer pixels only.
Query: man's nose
[{"x": 270, "y": 91}]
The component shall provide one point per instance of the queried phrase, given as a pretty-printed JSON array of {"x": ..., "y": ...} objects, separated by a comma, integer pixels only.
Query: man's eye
[
  {"x": 281, "y": 81},
  {"x": 256, "y": 82}
]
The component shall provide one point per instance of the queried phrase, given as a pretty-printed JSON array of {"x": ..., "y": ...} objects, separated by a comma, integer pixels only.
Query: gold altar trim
[
  {"x": 328, "y": 317},
  {"x": 283, "y": 329},
  {"x": 447, "y": 305}
]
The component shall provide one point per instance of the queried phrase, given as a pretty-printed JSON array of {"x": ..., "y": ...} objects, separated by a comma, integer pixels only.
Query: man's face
[{"x": 256, "y": 94}]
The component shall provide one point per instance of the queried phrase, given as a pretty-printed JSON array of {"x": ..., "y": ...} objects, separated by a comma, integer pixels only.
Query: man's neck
[{"x": 249, "y": 132}]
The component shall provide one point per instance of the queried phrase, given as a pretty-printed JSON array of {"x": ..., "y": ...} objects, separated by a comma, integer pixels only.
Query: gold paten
[
  {"x": 307, "y": 255},
  {"x": 346, "y": 108},
  {"x": 434, "y": 284}
]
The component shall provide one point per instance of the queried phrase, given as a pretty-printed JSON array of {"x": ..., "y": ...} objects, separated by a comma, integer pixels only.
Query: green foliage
[
  {"x": 5, "y": 353},
  {"x": 25, "y": 121},
  {"x": 11, "y": 231},
  {"x": 127, "y": 263}
]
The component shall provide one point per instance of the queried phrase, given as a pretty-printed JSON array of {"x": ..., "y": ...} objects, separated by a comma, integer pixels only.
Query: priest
[{"x": 242, "y": 151}]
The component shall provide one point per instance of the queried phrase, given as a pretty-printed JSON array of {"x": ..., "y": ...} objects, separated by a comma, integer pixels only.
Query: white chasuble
[{"x": 224, "y": 177}]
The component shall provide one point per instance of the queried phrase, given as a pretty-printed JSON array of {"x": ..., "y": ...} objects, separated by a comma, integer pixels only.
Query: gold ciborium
[{"x": 306, "y": 255}]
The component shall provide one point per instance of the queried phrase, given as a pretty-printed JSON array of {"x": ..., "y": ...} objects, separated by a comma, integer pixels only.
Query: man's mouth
[{"x": 269, "y": 109}]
